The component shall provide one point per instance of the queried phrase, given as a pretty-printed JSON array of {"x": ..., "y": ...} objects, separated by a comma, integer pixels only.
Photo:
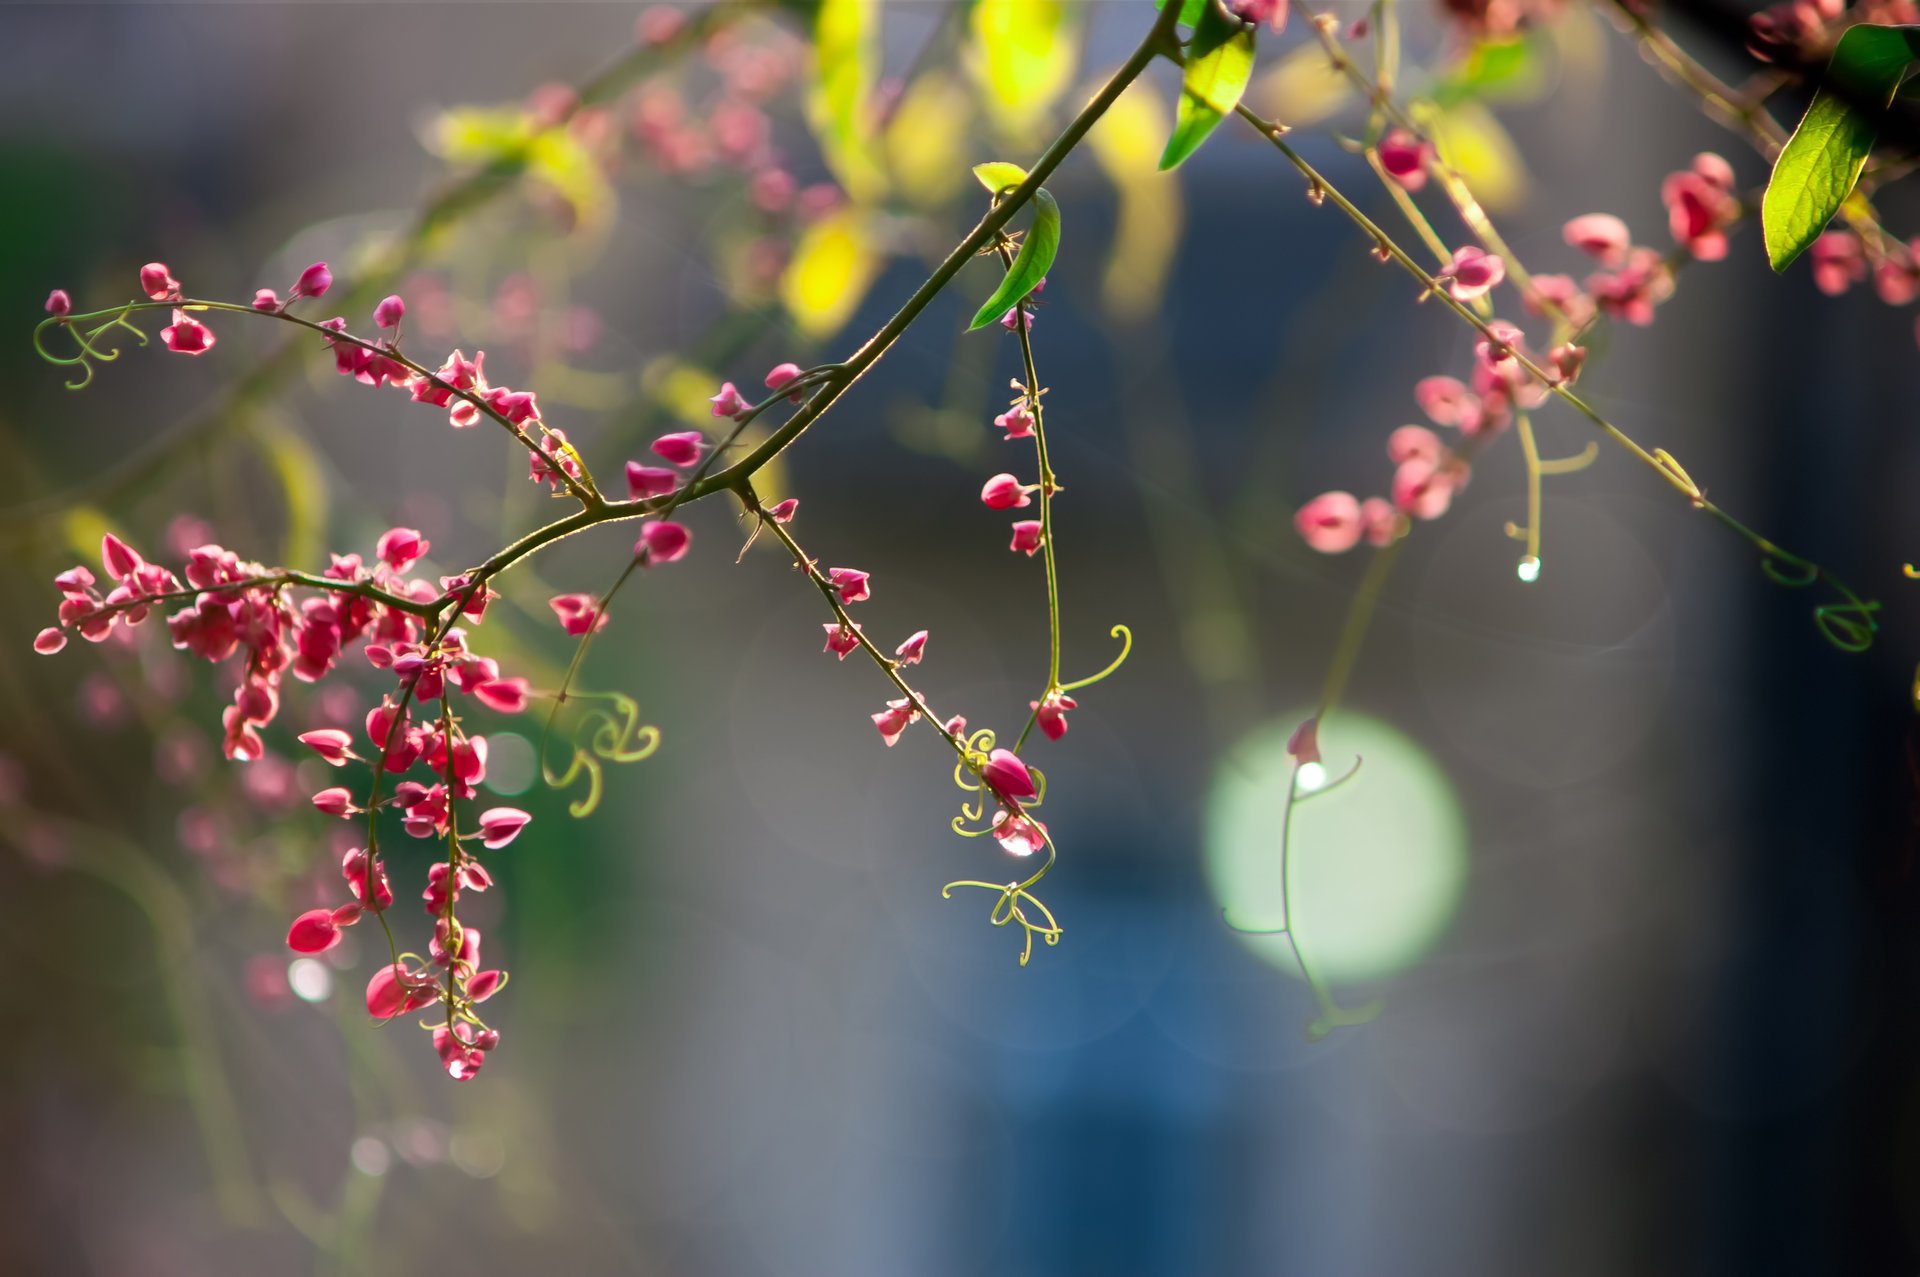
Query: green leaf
[
  {"x": 846, "y": 46},
  {"x": 1821, "y": 162},
  {"x": 1219, "y": 64},
  {"x": 1032, "y": 264},
  {"x": 1190, "y": 10},
  {"x": 1492, "y": 69},
  {"x": 999, "y": 177}
]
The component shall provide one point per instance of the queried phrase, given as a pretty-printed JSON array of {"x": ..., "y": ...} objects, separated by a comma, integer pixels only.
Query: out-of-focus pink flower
[
  {"x": 728, "y": 402},
  {"x": 663, "y": 541},
  {"x": 1404, "y": 157},
  {"x": 391, "y": 310},
  {"x": 1838, "y": 262},
  {"x": 784, "y": 512},
  {"x": 579, "y": 613},
  {"x": 59, "y": 304},
  {"x": 1330, "y": 523},
  {"x": 1472, "y": 273}
]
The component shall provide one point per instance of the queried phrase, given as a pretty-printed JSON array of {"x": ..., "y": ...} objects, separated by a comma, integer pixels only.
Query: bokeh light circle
[{"x": 1378, "y": 863}]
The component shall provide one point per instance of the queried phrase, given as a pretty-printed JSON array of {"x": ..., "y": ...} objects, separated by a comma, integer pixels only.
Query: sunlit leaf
[
  {"x": 998, "y": 175},
  {"x": 833, "y": 265},
  {"x": 1023, "y": 54},
  {"x": 926, "y": 140},
  {"x": 1303, "y": 87},
  {"x": 1480, "y": 149},
  {"x": 1821, "y": 162},
  {"x": 507, "y": 140},
  {"x": 846, "y": 48},
  {"x": 1219, "y": 64},
  {"x": 1126, "y": 143},
  {"x": 1494, "y": 70},
  {"x": 1030, "y": 266}
]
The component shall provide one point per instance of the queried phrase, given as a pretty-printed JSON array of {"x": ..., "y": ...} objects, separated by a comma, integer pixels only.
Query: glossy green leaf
[
  {"x": 998, "y": 175},
  {"x": 1821, "y": 162},
  {"x": 1030, "y": 266},
  {"x": 1219, "y": 64},
  {"x": 1190, "y": 10}
]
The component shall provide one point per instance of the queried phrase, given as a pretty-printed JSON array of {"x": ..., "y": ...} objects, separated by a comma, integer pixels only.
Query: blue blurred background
[{"x": 1629, "y": 865}]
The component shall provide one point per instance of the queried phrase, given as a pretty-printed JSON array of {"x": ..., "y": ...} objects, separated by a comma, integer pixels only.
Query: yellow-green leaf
[
  {"x": 1023, "y": 54},
  {"x": 1219, "y": 64},
  {"x": 1821, "y": 162},
  {"x": 1037, "y": 250},
  {"x": 998, "y": 176}
]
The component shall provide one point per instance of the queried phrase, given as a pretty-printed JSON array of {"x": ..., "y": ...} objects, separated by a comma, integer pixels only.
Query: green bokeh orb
[{"x": 1378, "y": 863}]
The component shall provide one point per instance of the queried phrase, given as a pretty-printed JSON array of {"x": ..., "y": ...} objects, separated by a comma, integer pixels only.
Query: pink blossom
[
  {"x": 503, "y": 695},
  {"x": 399, "y": 547},
  {"x": 1017, "y": 318},
  {"x": 1422, "y": 488},
  {"x": 1404, "y": 157},
  {"x": 840, "y": 639},
  {"x": 647, "y": 482},
  {"x": 1304, "y": 744},
  {"x": 313, "y": 932},
  {"x": 1409, "y": 442},
  {"x": 1004, "y": 492},
  {"x": 1050, "y": 713},
  {"x": 391, "y": 310},
  {"x": 314, "y": 281},
  {"x": 1601, "y": 236},
  {"x": 1448, "y": 403},
  {"x": 501, "y": 825},
  {"x": 728, "y": 402},
  {"x": 49, "y": 641},
  {"x": 265, "y": 299},
  {"x": 681, "y": 448},
  {"x": 332, "y": 744},
  {"x": 1566, "y": 359},
  {"x": 1563, "y": 294},
  {"x": 662, "y": 541},
  {"x": 894, "y": 719},
  {"x": 910, "y": 652},
  {"x": 1330, "y": 523},
  {"x": 1019, "y": 833},
  {"x": 187, "y": 335},
  {"x": 851, "y": 583},
  {"x": 784, "y": 512},
  {"x": 59, "y": 304},
  {"x": 1838, "y": 262},
  {"x": 1007, "y": 776},
  {"x": 1254, "y": 12},
  {"x": 579, "y": 613},
  {"x": 337, "y": 801},
  {"x": 1632, "y": 292},
  {"x": 1016, "y": 421},
  {"x": 395, "y": 990},
  {"x": 1472, "y": 273},
  {"x": 1026, "y": 537},
  {"x": 157, "y": 282},
  {"x": 781, "y": 375},
  {"x": 1701, "y": 204}
]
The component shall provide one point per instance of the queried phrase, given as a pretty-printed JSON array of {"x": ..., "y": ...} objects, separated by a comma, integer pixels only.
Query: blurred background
[{"x": 1628, "y": 867}]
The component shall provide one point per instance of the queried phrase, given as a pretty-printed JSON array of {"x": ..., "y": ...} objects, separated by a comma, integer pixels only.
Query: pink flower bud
[
  {"x": 332, "y": 744},
  {"x": 851, "y": 583},
  {"x": 781, "y": 374},
  {"x": 157, "y": 282},
  {"x": 1423, "y": 489},
  {"x": 399, "y": 547},
  {"x": 1404, "y": 157},
  {"x": 783, "y": 513},
  {"x": 647, "y": 482},
  {"x": 579, "y": 613},
  {"x": 1379, "y": 520},
  {"x": 1304, "y": 744},
  {"x": 49, "y": 641},
  {"x": 265, "y": 299},
  {"x": 682, "y": 448},
  {"x": 1050, "y": 713},
  {"x": 1409, "y": 442},
  {"x": 482, "y": 986},
  {"x": 503, "y": 695},
  {"x": 1472, "y": 273},
  {"x": 1007, "y": 776},
  {"x": 501, "y": 825},
  {"x": 337, "y": 801},
  {"x": 58, "y": 303},
  {"x": 313, "y": 932},
  {"x": 1003, "y": 492},
  {"x": 314, "y": 281},
  {"x": 1026, "y": 537},
  {"x": 910, "y": 652},
  {"x": 728, "y": 402},
  {"x": 1601, "y": 236},
  {"x": 663, "y": 542},
  {"x": 391, "y": 310},
  {"x": 1330, "y": 523}
]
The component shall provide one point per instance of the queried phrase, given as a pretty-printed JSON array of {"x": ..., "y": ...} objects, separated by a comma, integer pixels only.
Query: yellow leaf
[
  {"x": 1023, "y": 55},
  {"x": 846, "y": 49},
  {"x": 926, "y": 142},
  {"x": 1476, "y": 145},
  {"x": 1302, "y": 88},
  {"x": 832, "y": 267},
  {"x": 1127, "y": 143}
]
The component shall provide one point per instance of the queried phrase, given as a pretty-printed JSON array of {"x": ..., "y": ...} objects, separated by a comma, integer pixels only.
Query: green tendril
[
  {"x": 1011, "y": 902},
  {"x": 1125, "y": 636},
  {"x": 613, "y": 735}
]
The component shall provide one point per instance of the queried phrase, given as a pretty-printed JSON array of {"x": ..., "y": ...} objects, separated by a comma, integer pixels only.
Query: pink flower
[
  {"x": 1701, "y": 204},
  {"x": 1254, "y": 12},
  {"x": 1472, "y": 273},
  {"x": 1838, "y": 262},
  {"x": 391, "y": 310},
  {"x": 663, "y": 541},
  {"x": 157, "y": 282},
  {"x": 58, "y": 303},
  {"x": 313, "y": 932},
  {"x": 1601, "y": 236},
  {"x": 1632, "y": 292},
  {"x": 332, "y": 744},
  {"x": 1304, "y": 744},
  {"x": 894, "y": 719},
  {"x": 1380, "y": 521},
  {"x": 781, "y": 374},
  {"x": 501, "y": 825},
  {"x": 728, "y": 402},
  {"x": 503, "y": 695},
  {"x": 1007, "y": 776},
  {"x": 396, "y": 990},
  {"x": 1409, "y": 442},
  {"x": 910, "y": 652},
  {"x": 579, "y": 613},
  {"x": 1016, "y": 421},
  {"x": 1017, "y": 318},
  {"x": 1026, "y": 537},
  {"x": 1003, "y": 492},
  {"x": 646, "y": 482},
  {"x": 682, "y": 448},
  {"x": 840, "y": 639},
  {"x": 784, "y": 512},
  {"x": 187, "y": 335},
  {"x": 1404, "y": 157},
  {"x": 1567, "y": 359},
  {"x": 265, "y": 299},
  {"x": 1330, "y": 523},
  {"x": 49, "y": 641},
  {"x": 1019, "y": 833},
  {"x": 1422, "y": 488},
  {"x": 398, "y": 547},
  {"x": 851, "y": 583},
  {"x": 337, "y": 801},
  {"x": 1448, "y": 403},
  {"x": 314, "y": 281},
  {"x": 1050, "y": 713},
  {"x": 1561, "y": 292}
]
